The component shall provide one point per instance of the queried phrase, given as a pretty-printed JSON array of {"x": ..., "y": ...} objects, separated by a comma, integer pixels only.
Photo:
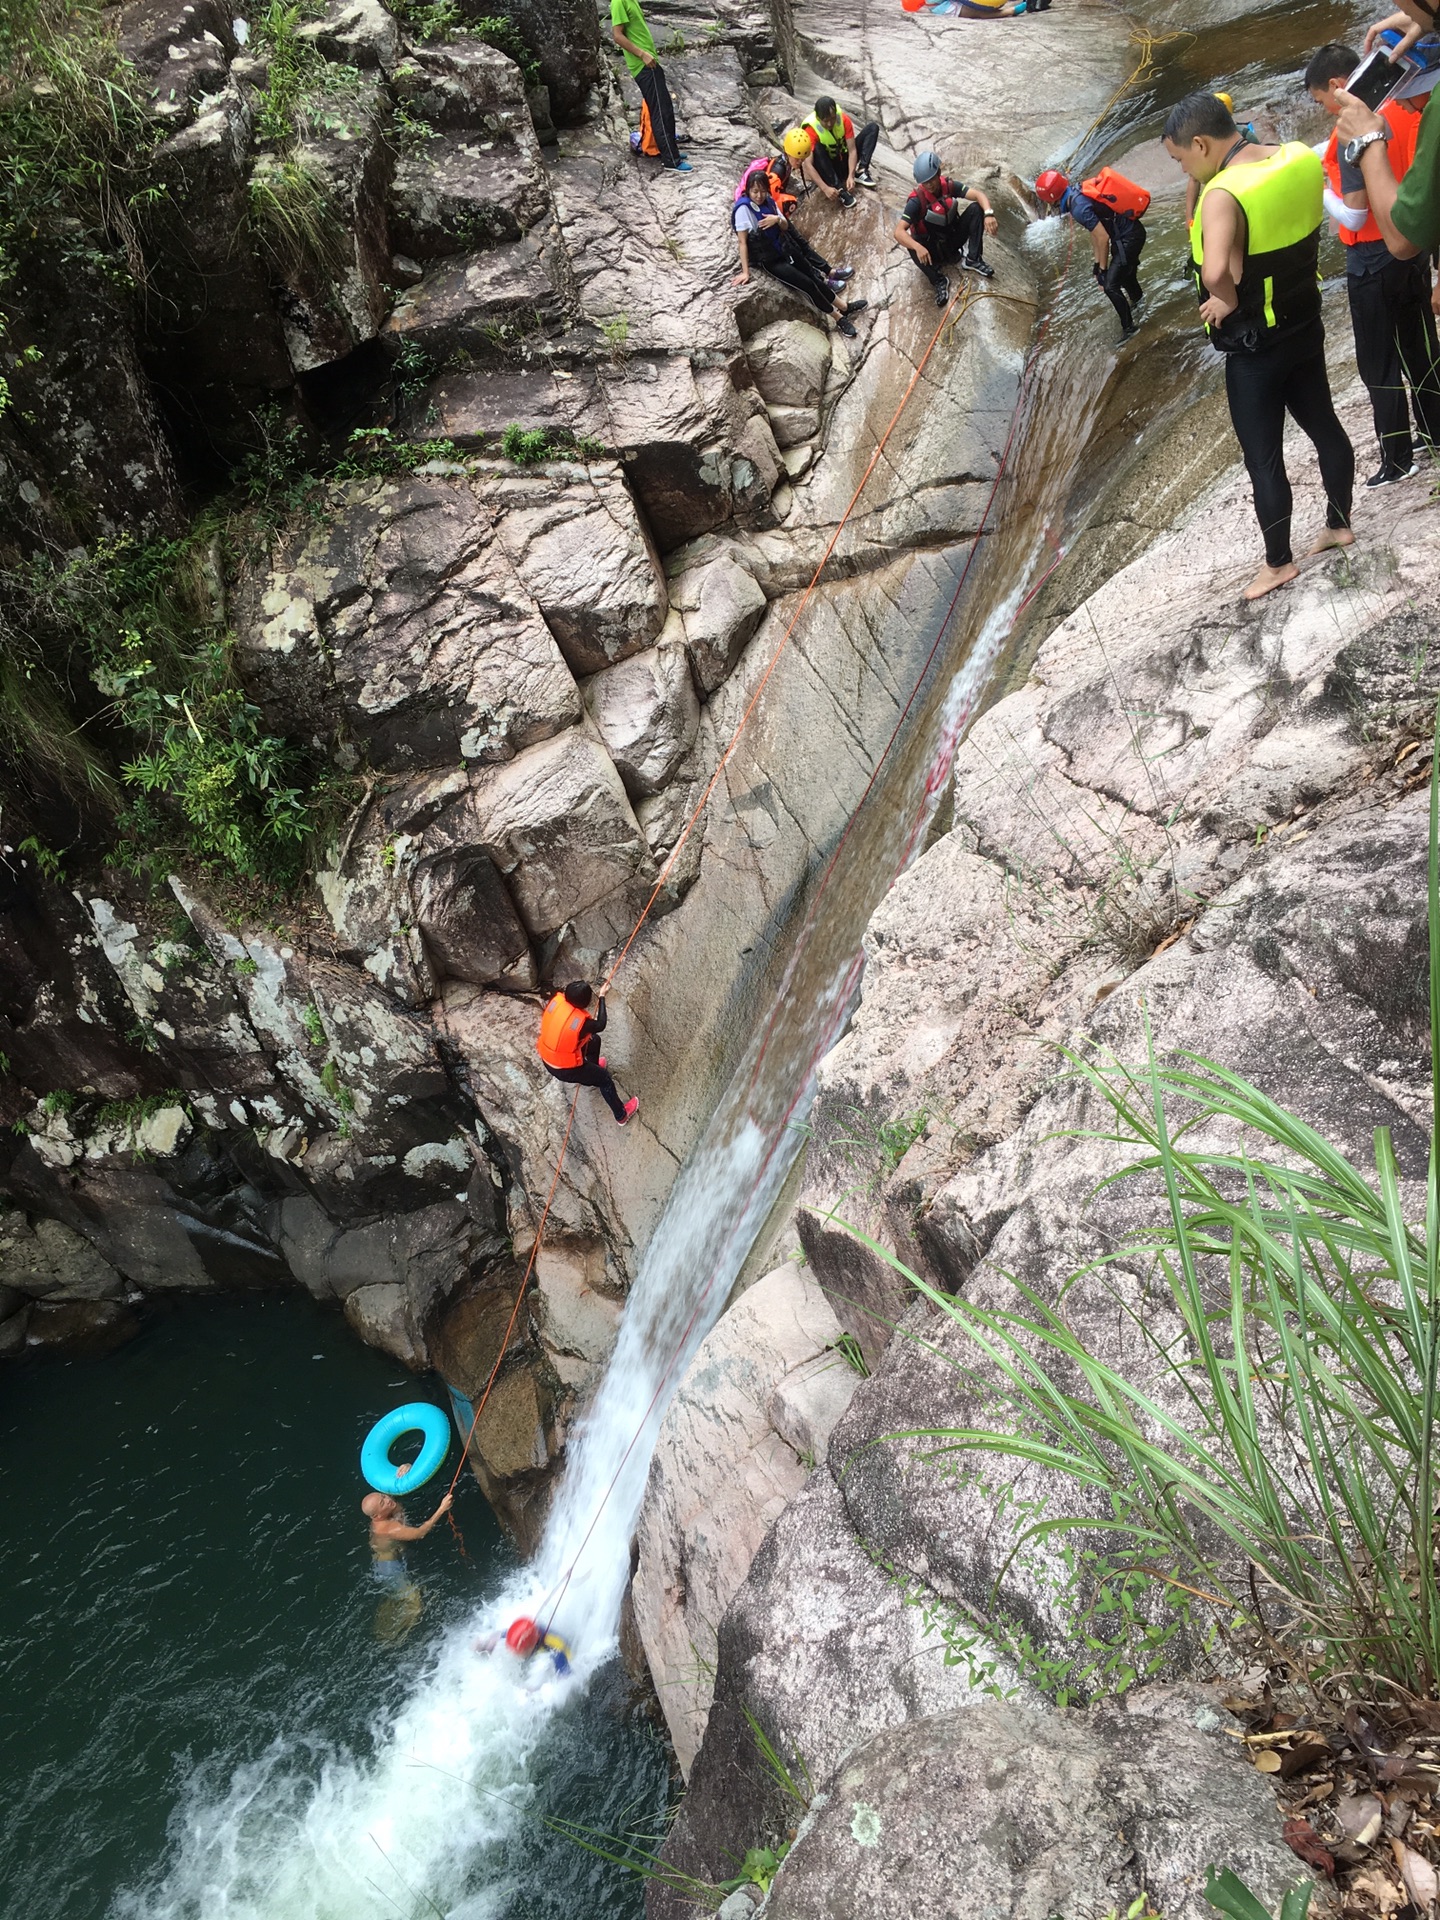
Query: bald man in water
[{"x": 389, "y": 1532}]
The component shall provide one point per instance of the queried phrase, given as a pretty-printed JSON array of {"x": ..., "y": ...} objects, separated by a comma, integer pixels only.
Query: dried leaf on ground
[
  {"x": 1361, "y": 1817},
  {"x": 1422, "y": 1883},
  {"x": 1302, "y": 1838},
  {"x": 1378, "y": 1890}
]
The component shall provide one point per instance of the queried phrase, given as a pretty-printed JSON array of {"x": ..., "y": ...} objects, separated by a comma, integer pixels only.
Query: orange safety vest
[
  {"x": 1404, "y": 124},
  {"x": 559, "y": 1042}
]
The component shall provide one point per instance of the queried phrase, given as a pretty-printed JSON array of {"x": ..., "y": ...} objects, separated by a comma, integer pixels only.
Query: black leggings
[
  {"x": 803, "y": 269},
  {"x": 655, "y": 92},
  {"x": 592, "y": 1077},
  {"x": 965, "y": 236},
  {"x": 1262, "y": 388},
  {"x": 1120, "y": 282},
  {"x": 1395, "y": 342},
  {"x": 836, "y": 171}
]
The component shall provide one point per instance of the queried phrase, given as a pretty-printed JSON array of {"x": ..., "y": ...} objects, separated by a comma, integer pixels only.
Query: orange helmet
[{"x": 1051, "y": 186}]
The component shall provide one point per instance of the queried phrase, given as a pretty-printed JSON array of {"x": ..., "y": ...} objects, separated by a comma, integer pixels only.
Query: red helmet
[
  {"x": 523, "y": 1637},
  {"x": 1051, "y": 186}
]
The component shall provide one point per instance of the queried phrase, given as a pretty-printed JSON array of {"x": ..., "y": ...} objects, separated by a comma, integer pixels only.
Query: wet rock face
[
  {"x": 443, "y": 616},
  {"x": 739, "y": 1440},
  {"x": 1002, "y": 1808}
]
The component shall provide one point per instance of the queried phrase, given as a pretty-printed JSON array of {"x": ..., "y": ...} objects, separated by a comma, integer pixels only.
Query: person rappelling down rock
[{"x": 569, "y": 1046}]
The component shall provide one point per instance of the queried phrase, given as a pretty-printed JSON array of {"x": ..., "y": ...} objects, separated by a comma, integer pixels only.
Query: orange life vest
[
  {"x": 1116, "y": 192},
  {"x": 559, "y": 1042},
  {"x": 1404, "y": 125}
]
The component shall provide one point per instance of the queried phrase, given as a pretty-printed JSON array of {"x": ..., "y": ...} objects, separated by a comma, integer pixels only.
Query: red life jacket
[
  {"x": 559, "y": 1041},
  {"x": 1113, "y": 190},
  {"x": 1404, "y": 125},
  {"x": 937, "y": 199}
]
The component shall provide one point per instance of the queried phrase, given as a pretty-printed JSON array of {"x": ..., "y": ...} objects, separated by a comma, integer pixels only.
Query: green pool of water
[{"x": 184, "y": 1589}]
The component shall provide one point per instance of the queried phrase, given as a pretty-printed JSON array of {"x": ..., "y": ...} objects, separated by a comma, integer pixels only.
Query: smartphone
[{"x": 1378, "y": 77}]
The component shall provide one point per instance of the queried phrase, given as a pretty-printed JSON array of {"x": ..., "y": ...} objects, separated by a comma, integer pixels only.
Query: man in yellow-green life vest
[
  {"x": 839, "y": 157},
  {"x": 630, "y": 31},
  {"x": 1254, "y": 249}
]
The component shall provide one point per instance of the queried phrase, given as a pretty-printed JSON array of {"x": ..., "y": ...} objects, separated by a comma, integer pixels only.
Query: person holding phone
[
  {"x": 1406, "y": 211},
  {"x": 1254, "y": 248},
  {"x": 1390, "y": 311}
]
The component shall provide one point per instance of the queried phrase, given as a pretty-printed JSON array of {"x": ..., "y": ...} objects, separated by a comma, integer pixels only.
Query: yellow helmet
[
  {"x": 796, "y": 143},
  {"x": 1226, "y": 101}
]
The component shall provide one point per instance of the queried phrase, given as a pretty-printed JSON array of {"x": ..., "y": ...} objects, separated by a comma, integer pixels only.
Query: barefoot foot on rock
[
  {"x": 1269, "y": 578},
  {"x": 1332, "y": 537}
]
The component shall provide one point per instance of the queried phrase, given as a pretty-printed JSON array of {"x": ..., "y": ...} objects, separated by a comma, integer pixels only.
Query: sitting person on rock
[
  {"x": 945, "y": 220},
  {"x": 839, "y": 157},
  {"x": 766, "y": 235},
  {"x": 569, "y": 1045}
]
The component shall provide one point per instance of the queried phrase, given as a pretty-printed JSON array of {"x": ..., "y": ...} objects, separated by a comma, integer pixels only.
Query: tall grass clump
[
  {"x": 1277, "y": 1464},
  {"x": 74, "y": 141}
]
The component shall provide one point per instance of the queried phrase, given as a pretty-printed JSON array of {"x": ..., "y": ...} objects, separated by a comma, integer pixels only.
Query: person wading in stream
[
  {"x": 569, "y": 1045},
  {"x": 1254, "y": 247},
  {"x": 1109, "y": 208},
  {"x": 389, "y": 1535}
]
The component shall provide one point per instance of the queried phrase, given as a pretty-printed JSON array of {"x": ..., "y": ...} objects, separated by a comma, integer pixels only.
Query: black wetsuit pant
[
  {"x": 1120, "y": 281},
  {"x": 1264, "y": 386},
  {"x": 835, "y": 172},
  {"x": 965, "y": 235},
  {"x": 1395, "y": 344},
  {"x": 803, "y": 269},
  {"x": 592, "y": 1075},
  {"x": 656, "y": 94}
]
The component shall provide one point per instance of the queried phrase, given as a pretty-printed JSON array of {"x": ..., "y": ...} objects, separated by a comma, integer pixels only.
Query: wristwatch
[{"x": 1353, "y": 149}]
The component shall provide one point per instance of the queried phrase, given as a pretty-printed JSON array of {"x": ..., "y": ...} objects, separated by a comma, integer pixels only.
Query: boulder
[
  {"x": 182, "y": 50},
  {"x": 790, "y": 360},
  {"x": 647, "y": 715},
  {"x": 578, "y": 1323},
  {"x": 465, "y": 304},
  {"x": 793, "y": 426},
  {"x": 46, "y": 1260},
  {"x": 468, "y": 922},
  {"x": 406, "y": 615},
  {"x": 581, "y": 550},
  {"x": 557, "y": 824},
  {"x": 461, "y": 86},
  {"x": 79, "y": 1326},
  {"x": 382, "y": 1318},
  {"x": 356, "y": 33},
  {"x": 723, "y": 605},
  {"x": 460, "y": 192},
  {"x": 726, "y": 1464},
  {"x": 1002, "y": 1808}
]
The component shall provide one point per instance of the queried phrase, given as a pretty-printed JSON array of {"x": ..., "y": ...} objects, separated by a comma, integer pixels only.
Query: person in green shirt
[
  {"x": 631, "y": 33},
  {"x": 1406, "y": 211}
]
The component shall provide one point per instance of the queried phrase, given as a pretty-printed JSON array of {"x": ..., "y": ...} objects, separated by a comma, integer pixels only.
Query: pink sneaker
[
  {"x": 602, "y": 1061},
  {"x": 632, "y": 1107}
]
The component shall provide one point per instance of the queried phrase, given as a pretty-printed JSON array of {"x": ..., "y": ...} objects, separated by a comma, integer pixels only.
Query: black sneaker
[
  {"x": 856, "y": 306},
  {"x": 842, "y": 274},
  {"x": 1128, "y": 333},
  {"x": 864, "y": 178},
  {"x": 842, "y": 325},
  {"x": 982, "y": 267},
  {"x": 1387, "y": 476},
  {"x": 847, "y": 199},
  {"x": 942, "y": 294}
]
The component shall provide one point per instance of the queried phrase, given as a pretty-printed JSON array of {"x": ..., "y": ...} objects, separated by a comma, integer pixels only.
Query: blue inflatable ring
[{"x": 375, "y": 1461}]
